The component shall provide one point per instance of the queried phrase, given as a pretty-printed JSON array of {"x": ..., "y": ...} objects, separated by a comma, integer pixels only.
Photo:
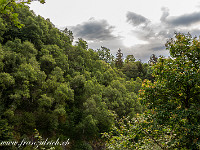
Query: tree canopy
[
  {"x": 53, "y": 89},
  {"x": 50, "y": 89},
  {"x": 172, "y": 103}
]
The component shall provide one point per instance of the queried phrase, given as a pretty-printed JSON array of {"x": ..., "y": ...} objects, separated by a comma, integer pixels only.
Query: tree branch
[{"x": 164, "y": 148}]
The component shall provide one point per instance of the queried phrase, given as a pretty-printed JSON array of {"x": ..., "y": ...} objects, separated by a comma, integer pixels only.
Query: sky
[{"x": 138, "y": 27}]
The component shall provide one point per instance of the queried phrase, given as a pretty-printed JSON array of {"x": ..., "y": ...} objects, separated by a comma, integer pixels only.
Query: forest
[{"x": 58, "y": 95}]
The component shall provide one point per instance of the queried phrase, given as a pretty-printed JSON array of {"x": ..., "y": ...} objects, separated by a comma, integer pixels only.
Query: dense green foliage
[
  {"x": 171, "y": 120},
  {"x": 55, "y": 89},
  {"x": 51, "y": 89}
]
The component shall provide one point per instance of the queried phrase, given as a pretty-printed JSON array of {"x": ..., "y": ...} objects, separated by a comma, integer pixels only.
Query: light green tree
[
  {"x": 172, "y": 103},
  {"x": 174, "y": 96}
]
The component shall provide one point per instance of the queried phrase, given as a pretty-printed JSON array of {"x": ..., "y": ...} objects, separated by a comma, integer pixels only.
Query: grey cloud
[
  {"x": 183, "y": 20},
  {"x": 98, "y": 30},
  {"x": 195, "y": 32},
  {"x": 99, "y": 33},
  {"x": 153, "y": 33},
  {"x": 165, "y": 13},
  {"x": 144, "y": 51},
  {"x": 156, "y": 35},
  {"x": 112, "y": 44},
  {"x": 136, "y": 19},
  {"x": 158, "y": 48}
]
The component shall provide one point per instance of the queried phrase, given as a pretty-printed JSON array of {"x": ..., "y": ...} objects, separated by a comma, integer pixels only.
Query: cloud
[
  {"x": 136, "y": 19},
  {"x": 144, "y": 51},
  {"x": 99, "y": 33},
  {"x": 182, "y": 20},
  {"x": 112, "y": 44},
  {"x": 185, "y": 20},
  {"x": 93, "y": 30},
  {"x": 165, "y": 14},
  {"x": 156, "y": 34}
]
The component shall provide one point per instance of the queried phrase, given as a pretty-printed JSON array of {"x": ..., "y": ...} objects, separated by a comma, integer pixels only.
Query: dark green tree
[
  {"x": 130, "y": 58},
  {"x": 69, "y": 33},
  {"x": 82, "y": 43},
  {"x": 153, "y": 59},
  {"x": 104, "y": 54},
  {"x": 119, "y": 59},
  {"x": 54, "y": 88}
]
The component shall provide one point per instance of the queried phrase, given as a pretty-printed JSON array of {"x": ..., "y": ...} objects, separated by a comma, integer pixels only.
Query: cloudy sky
[{"x": 138, "y": 27}]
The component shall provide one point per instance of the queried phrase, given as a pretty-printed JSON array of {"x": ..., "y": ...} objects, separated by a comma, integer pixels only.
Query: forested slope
[
  {"x": 57, "y": 89},
  {"x": 54, "y": 91}
]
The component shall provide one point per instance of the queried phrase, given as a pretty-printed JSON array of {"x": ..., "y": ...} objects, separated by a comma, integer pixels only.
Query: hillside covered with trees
[{"x": 53, "y": 90}]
